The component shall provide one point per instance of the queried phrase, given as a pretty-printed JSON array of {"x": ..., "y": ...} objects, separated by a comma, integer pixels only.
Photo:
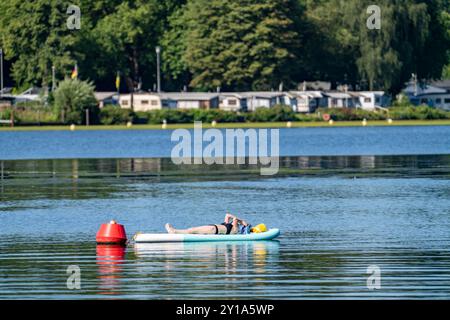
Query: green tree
[
  {"x": 435, "y": 52},
  {"x": 237, "y": 45},
  {"x": 240, "y": 44},
  {"x": 445, "y": 23},
  {"x": 73, "y": 98},
  {"x": 100, "y": 69},
  {"x": 330, "y": 47},
  {"x": 412, "y": 39},
  {"x": 127, "y": 38},
  {"x": 35, "y": 36},
  {"x": 446, "y": 72},
  {"x": 174, "y": 46},
  {"x": 387, "y": 57}
]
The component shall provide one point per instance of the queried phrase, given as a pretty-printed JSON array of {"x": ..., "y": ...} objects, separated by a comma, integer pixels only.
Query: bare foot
[{"x": 169, "y": 228}]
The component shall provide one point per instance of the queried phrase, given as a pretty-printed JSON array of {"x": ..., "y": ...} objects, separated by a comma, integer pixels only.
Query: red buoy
[{"x": 111, "y": 233}]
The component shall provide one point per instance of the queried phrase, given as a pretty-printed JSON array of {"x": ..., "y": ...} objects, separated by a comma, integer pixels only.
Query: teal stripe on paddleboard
[{"x": 268, "y": 235}]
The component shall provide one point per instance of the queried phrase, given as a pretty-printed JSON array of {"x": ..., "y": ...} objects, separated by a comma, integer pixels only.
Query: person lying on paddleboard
[{"x": 231, "y": 225}]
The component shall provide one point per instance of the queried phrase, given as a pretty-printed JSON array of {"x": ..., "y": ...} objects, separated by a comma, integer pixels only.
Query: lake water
[
  {"x": 345, "y": 199},
  {"x": 293, "y": 142}
]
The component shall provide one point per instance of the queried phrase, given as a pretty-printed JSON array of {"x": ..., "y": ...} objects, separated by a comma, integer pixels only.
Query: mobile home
[
  {"x": 141, "y": 101},
  {"x": 230, "y": 101},
  {"x": 264, "y": 99}
]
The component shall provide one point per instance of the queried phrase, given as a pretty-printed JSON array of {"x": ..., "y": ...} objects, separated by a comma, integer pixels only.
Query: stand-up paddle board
[{"x": 166, "y": 237}]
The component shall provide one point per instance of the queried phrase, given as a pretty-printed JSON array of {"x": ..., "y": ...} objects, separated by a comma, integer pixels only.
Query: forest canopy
[{"x": 227, "y": 44}]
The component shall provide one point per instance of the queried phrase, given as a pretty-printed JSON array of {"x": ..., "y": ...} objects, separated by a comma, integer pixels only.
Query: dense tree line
[{"x": 231, "y": 44}]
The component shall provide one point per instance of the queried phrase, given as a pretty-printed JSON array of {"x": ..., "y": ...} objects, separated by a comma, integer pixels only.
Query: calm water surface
[
  {"x": 338, "y": 215},
  {"x": 293, "y": 142}
]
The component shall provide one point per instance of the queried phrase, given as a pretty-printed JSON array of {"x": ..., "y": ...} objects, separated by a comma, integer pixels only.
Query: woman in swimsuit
[{"x": 230, "y": 225}]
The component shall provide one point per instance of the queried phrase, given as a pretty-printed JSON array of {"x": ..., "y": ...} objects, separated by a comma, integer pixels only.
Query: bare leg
[{"x": 195, "y": 230}]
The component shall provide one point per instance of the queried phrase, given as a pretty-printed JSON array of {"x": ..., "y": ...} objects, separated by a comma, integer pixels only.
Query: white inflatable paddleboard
[{"x": 166, "y": 237}]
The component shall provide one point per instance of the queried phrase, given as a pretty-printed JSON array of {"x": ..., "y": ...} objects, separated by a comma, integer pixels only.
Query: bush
[
  {"x": 215, "y": 115},
  {"x": 170, "y": 115},
  {"x": 189, "y": 116},
  {"x": 30, "y": 105},
  {"x": 402, "y": 101},
  {"x": 418, "y": 113},
  {"x": 276, "y": 114},
  {"x": 115, "y": 115},
  {"x": 5, "y": 113},
  {"x": 402, "y": 110},
  {"x": 29, "y": 113},
  {"x": 307, "y": 117},
  {"x": 43, "y": 116},
  {"x": 140, "y": 117},
  {"x": 72, "y": 98},
  {"x": 348, "y": 114}
]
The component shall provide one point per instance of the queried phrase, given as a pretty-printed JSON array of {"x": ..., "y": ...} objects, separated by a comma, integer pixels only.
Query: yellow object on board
[{"x": 259, "y": 228}]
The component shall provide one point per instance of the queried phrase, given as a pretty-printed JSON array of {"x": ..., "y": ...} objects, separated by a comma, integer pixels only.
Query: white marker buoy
[
  {"x": 364, "y": 122},
  {"x": 214, "y": 123},
  {"x": 129, "y": 124},
  {"x": 389, "y": 120},
  {"x": 164, "y": 124},
  {"x": 72, "y": 127},
  {"x": 289, "y": 124},
  {"x": 331, "y": 122}
]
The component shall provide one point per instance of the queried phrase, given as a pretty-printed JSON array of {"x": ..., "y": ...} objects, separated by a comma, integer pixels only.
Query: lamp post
[
  {"x": 158, "y": 75},
  {"x": 346, "y": 99},
  {"x": 414, "y": 77},
  {"x": 53, "y": 79},
  {"x": 1, "y": 72}
]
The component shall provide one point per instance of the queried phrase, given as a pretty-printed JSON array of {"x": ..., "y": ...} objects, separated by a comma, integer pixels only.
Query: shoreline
[{"x": 246, "y": 125}]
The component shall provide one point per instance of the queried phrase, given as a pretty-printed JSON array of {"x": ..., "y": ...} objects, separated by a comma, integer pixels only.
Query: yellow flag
[
  {"x": 75, "y": 73},
  {"x": 118, "y": 81}
]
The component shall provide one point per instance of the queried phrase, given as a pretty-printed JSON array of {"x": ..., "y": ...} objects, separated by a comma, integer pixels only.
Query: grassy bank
[{"x": 234, "y": 125}]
